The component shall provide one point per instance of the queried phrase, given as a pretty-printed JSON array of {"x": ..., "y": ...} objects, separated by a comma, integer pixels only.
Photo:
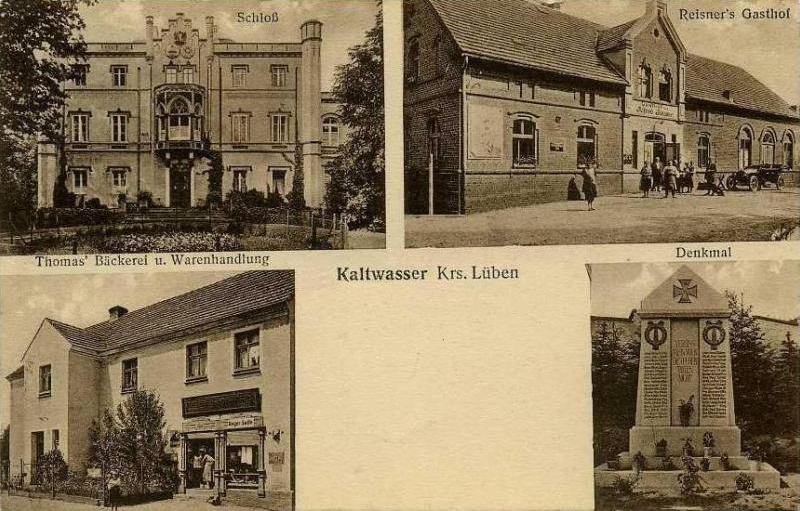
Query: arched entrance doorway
[
  {"x": 655, "y": 146},
  {"x": 745, "y": 147}
]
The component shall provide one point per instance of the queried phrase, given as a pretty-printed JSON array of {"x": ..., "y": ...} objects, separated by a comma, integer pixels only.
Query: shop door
[
  {"x": 179, "y": 187},
  {"x": 195, "y": 450}
]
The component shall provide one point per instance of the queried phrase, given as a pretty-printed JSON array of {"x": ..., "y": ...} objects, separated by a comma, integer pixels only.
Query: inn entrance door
[{"x": 655, "y": 147}]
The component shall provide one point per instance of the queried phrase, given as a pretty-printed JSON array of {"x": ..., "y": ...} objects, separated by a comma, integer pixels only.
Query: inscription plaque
[
  {"x": 655, "y": 385},
  {"x": 248, "y": 400},
  {"x": 715, "y": 375}
]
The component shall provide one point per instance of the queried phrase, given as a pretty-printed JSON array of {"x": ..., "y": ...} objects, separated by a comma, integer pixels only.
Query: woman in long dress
[
  {"x": 208, "y": 470},
  {"x": 589, "y": 185}
]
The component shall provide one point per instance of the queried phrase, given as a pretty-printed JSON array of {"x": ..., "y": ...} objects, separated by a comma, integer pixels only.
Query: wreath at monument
[{"x": 686, "y": 410}]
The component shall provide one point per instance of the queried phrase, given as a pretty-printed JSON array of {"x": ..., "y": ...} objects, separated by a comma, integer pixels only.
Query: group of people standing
[{"x": 670, "y": 178}]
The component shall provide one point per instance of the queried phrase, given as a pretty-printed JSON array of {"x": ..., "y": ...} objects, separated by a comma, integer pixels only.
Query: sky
[
  {"x": 771, "y": 287},
  {"x": 79, "y": 300},
  {"x": 344, "y": 22},
  {"x": 768, "y": 49}
]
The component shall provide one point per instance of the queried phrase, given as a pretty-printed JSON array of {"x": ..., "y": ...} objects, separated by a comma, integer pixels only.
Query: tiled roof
[
  {"x": 227, "y": 299},
  {"x": 612, "y": 37},
  {"x": 527, "y": 34},
  {"x": 707, "y": 79}
]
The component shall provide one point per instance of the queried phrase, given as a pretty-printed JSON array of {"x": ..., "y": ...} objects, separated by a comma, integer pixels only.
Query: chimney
[
  {"x": 116, "y": 312},
  {"x": 210, "y": 29},
  {"x": 553, "y": 4},
  {"x": 656, "y": 6},
  {"x": 150, "y": 30},
  {"x": 310, "y": 105}
]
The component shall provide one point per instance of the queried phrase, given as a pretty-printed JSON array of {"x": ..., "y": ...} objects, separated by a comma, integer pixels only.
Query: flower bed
[{"x": 170, "y": 242}]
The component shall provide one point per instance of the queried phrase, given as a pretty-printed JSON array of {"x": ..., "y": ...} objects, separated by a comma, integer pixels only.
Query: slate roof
[
  {"x": 706, "y": 79},
  {"x": 229, "y": 298},
  {"x": 528, "y": 34}
]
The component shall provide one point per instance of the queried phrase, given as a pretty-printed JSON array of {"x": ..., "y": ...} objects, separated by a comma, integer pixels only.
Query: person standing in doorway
[
  {"x": 197, "y": 470},
  {"x": 656, "y": 168},
  {"x": 589, "y": 175},
  {"x": 647, "y": 180},
  {"x": 208, "y": 469},
  {"x": 670, "y": 179}
]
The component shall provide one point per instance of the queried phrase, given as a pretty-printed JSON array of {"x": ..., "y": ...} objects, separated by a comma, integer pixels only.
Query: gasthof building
[
  {"x": 505, "y": 101},
  {"x": 221, "y": 359},
  {"x": 141, "y": 113}
]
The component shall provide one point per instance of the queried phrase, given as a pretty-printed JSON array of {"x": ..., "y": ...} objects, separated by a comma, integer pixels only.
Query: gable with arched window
[
  {"x": 768, "y": 146},
  {"x": 745, "y": 146},
  {"x": 645, "y": 81},
  {"x": 665, "y": 85},
  {"x": 524, "y": 146},
  {"x": 788, "y": 148},
  {"x": 330, "y": 130}
]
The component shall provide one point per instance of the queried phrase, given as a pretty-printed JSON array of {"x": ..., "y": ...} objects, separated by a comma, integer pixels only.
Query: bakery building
[
  {"x": 221, "y": 359},
  {"x": 505, "y": 102},
  {"x": 141, "y": 116}
]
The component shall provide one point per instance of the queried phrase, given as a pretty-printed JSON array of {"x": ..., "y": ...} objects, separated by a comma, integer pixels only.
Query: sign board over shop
[
  {"x": 241, "y": 422},
  {"x": 236, "y": 401},
  {"x": 659, "y": 110}
]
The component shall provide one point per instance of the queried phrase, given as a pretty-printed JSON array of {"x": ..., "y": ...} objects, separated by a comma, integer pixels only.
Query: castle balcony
[{"x": 180, "y": 118}]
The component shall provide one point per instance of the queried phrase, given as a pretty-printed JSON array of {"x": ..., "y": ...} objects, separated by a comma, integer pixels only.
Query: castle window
[
  {"x": 524, "y": 142},
  {"x": 45, "y": 380},
  {"x": 119, "y": 177},
  {"x": 55, "y": 439},
  {"x": 665, "y": 85},
  {"x": 80, "y": 127},
  {"x": 330, "y": 131},
  {"x": 247, "y": 351},
  {"x": 279, "y": 181},
  {"x": 79, "y": 72},
  {"x": 240, "y": 178},
  {"x": 239, "y": 75},
  {"x": 278, "y": 74},
  {"x": 703, "y": 146},
  {"x": 172, "y": 75},
  {"x": 645, "y": 81},
  {"x": 119, "y": 76},
  {"x": 130, "y": 375},
  {"x": 80, "y": 178},
  {"x": 188, "y": 75},
  {"x": 119, "y": 127},
  {"x": 280, "y": 128},
  {"x": 196, "y": 357},
  {"x": 241, "y": 128}
]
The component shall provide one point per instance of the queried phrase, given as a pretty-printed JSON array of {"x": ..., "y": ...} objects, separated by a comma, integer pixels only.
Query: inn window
[
  {"x": 645, "y": 79},
  {"x": 239, "y": 75},
  {"x": 79, "y": 72},
  {"x": 80, "y": 178},
  {"x": 80, "y": 127},
  {"x": 279, "y": 128},
  {"x": 665, "y": 85},
  {"x": 586, "y": 145},
  {"x": 330, "y": 131},
  {"x": 413, "y": 60},
  {"x": 587, "y": 98},
  {"x": 196, "y": 358},
  {"x": 119, "y": 76},
  {"x": 45, "y": 380},
  {"x": 119, "y": 177},
  {"x": 768, "y": 147},
  {"x": 703, "y": 151},
  {"x": 130, "y": 375},
  {"x": 241, "y": 127},
  {"x": 240, "y": 178},
  {"x": 119, "y": 127},
  {"x": 788, "y": 149},
  {"x": 247, "y": 351},
  {"x": 524, "y": 142},
  {"x": 278, "y": 74}
]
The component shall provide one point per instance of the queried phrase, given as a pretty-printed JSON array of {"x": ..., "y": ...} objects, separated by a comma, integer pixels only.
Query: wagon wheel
[
  {"x": 731, "y": 183},
  {"x": 779, "y": 183},
  {"x": 753, "y": 183}
]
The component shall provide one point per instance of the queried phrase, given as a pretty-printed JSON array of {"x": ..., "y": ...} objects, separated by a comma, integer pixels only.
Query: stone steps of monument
[{"x": 722, "y": 480}]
